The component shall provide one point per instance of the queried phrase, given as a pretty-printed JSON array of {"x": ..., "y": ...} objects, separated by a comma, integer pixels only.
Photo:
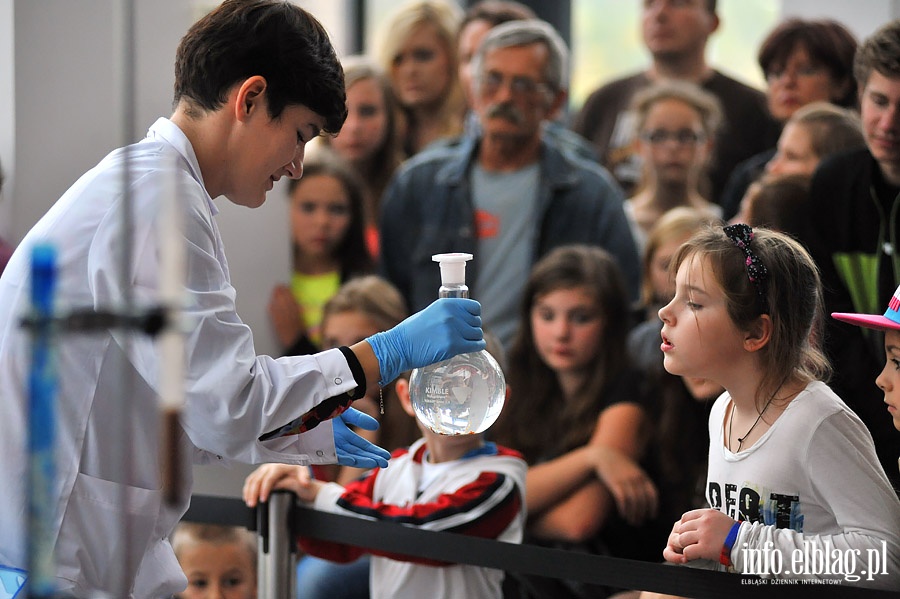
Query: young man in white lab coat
[{"x": 255, "y": 81}]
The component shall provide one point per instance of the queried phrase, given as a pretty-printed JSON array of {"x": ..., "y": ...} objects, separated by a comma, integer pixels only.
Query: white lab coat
[{"x": 232, "y": 395}]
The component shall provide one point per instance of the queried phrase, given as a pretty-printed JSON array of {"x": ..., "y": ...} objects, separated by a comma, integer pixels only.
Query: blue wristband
[{"x": 725, "y": 556}]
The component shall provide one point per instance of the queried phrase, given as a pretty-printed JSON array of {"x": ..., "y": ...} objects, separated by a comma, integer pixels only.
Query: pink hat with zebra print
[{"x": 890, "y": 320}]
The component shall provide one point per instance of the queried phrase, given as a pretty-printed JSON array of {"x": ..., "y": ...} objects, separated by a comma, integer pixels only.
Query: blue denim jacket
[{"x": 428, "y": 209}]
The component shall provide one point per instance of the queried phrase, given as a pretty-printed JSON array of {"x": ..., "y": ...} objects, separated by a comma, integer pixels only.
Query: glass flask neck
[{"x": 455, "y": 290}]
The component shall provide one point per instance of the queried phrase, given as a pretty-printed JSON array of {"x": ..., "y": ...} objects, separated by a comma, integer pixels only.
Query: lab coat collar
[{"x": 169, "y": 132}]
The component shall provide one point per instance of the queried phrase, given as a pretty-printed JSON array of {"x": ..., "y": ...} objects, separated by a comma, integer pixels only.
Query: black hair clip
[{"x": 757, "y": 272}]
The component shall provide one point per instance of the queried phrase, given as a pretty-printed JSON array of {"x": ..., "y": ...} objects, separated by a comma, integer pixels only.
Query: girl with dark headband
[{"x": 792, "y": 475}]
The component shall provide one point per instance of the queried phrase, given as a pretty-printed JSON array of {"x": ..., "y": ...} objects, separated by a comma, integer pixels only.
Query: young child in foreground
[
  {"x": 219, "y": 561},
  {"x": 793, "y": 480},
  {"x": 889, "y": 379},
  {"x": 443, "y": 483}
]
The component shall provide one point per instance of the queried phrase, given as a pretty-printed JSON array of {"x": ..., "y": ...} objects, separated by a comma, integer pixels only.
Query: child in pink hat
[{"x": 889, "y": 379}]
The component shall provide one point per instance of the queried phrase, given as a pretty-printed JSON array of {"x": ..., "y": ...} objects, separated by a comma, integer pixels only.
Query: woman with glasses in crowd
[{"x": 676, "y": 123}]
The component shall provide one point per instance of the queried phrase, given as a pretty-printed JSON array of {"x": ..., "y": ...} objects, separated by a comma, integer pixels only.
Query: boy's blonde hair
[
  {"x": 371, "y": 295},
  {"x": 187, "y": 533}
]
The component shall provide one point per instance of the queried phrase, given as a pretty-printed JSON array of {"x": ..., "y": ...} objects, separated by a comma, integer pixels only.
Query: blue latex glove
[
  {"x": 449, "y": 326},
  {"x": 353, "y": 450}
]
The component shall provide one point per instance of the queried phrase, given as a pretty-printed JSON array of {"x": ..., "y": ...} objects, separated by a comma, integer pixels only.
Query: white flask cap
[{"x": 453, "y": 267}]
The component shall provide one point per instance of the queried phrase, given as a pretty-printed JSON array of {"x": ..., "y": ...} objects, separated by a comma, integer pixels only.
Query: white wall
[
  {"x": 59, "y": 115},
  {"x": 7, "y": 114},
  {"x": 862, "y": 17}
]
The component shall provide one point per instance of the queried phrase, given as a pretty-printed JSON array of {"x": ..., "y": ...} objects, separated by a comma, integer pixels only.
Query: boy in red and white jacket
[{"x": 458, "y": 484}]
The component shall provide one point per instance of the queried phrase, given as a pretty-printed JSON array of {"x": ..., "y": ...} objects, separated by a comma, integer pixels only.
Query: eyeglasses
[
  {"x": 521, "y": 86},
  {"x": 683, "y": 137},
  {"x": 797, "y": 72}
]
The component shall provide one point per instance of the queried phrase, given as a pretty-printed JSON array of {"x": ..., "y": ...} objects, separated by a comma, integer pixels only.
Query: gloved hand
[
  {"x": 353, "y": 450},
  {"x": 449, "y": 326}
]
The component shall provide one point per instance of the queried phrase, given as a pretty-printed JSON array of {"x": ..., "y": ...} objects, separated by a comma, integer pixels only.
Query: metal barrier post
[{"x": 277, "y": 560}]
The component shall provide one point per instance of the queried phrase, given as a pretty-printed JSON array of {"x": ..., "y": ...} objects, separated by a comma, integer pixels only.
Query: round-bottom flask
[
  {"x": 465, "y": 394},
  {"x": 459, "y": 396}
]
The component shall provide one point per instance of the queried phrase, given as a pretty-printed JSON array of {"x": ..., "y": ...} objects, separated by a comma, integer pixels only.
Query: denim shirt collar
[{"x": 556, "y": 170}]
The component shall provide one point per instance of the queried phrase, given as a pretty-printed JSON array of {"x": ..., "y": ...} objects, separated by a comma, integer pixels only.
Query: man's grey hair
[{"x": 523, "y": 33}]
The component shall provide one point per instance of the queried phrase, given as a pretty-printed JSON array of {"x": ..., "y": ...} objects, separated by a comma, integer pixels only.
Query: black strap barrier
[{"x": 526, "y": 559}]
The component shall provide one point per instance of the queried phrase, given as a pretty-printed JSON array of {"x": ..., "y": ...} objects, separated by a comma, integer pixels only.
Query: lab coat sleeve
[
  {"x": 236, "y": 396},
  {"x": 233, "y": 396}
]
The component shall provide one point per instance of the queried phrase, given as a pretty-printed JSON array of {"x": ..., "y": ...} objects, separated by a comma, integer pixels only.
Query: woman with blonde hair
[{"x": 418, "y": 51}]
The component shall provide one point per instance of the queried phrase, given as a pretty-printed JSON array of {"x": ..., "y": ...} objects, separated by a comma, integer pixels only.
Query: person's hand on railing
[
  {"x": 258, "y": 486},
  {"x": 698, "y": 534}
]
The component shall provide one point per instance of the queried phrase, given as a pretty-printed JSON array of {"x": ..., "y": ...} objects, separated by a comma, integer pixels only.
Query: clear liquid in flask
[
  {"x": 459, "y": 396},
  {"x": 465, "y": 394}
]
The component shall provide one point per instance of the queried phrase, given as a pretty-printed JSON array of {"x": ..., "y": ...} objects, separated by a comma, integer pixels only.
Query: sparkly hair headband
[{"x": 757, "y": 272}]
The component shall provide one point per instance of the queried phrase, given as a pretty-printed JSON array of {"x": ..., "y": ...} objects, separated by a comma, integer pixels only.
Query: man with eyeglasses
[
  {"x": 676, "y": 33},
  {"x": 504, "y": 194}
]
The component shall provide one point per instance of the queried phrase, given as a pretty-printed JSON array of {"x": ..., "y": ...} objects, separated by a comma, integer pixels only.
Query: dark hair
[
  {"x": 829, "y": 44},
  {"x": 680, "y": 447},
  {"x": 352, "y": 251},
  {"x": 780, "y": 203},
  {"x": 793, "y": 297},
  {"x": 497, "y": 12},
  {"x": 710, "y": 6},
  {"x": 538, "y": 421},
  {"x": 879, "y": 51},
  {"x": 270, "y": 38}
]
